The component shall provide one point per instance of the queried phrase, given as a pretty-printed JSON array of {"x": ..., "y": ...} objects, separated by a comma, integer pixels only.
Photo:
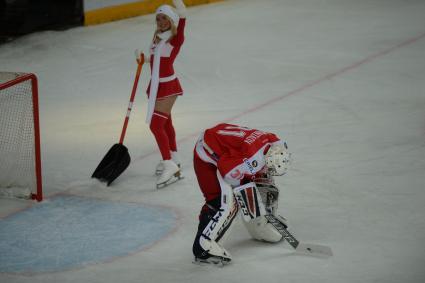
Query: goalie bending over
[{"x": 234, "y": 166}]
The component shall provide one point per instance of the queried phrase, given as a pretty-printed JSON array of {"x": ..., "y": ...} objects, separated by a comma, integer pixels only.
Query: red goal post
[{"x": 20, "y": 157}]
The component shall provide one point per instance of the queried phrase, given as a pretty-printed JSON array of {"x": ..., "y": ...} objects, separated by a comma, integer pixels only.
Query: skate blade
[
  {"x": 158, "y": 172},
  {"x": 176, "y": 177},
  {"x": 218, "y": 262}
]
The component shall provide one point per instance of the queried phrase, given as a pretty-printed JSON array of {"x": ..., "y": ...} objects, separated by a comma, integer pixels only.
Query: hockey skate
[
  {"x": 213, "y": 260},
  {"x": 169, "y": 175},
  {"x": 209, "y": 252}
]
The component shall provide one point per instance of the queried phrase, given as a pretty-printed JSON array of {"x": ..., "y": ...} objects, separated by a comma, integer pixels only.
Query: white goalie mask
[{"x": 278, "y": 159}]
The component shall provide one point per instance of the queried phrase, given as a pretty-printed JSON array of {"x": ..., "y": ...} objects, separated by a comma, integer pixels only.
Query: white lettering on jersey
[
  {"x": 236, "y": 131},
  {"x": 239, "y": 134},
  {"x": 252, "y": 137}
]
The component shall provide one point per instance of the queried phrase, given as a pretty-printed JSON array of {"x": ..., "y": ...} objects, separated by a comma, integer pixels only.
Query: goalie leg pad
[
  {"x": 260, "y": 229},
  {"x": 213, "y": 225},
  {"x": 214, "y": 221}
]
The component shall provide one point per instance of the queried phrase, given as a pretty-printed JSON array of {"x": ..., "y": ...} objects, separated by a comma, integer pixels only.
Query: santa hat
[{"x": 168, "y": 11}]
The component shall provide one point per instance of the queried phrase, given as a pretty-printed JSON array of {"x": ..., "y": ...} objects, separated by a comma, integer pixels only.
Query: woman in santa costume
[{"x": 164, "y": 87}]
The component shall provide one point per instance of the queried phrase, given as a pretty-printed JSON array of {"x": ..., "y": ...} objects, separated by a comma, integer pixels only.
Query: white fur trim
[
  {"x": 168, "y": 11},
  {"x": 165, "y": 35},
  {"x": 154, "y": 81},
  {"x": 168, "y": 79}
]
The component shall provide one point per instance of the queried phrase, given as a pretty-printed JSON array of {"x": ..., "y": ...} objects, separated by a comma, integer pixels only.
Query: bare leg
[{"x": 165, "y": 105}]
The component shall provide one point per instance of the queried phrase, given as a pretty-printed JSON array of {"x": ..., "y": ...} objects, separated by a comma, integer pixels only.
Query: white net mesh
[{"x": 17, "y": 145}]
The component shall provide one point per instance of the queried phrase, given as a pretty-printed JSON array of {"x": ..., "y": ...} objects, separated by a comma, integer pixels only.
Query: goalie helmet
[{"x": 277, "y": 159}]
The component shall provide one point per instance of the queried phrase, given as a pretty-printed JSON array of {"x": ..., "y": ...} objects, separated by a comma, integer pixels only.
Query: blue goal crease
[{"x": 70, "y": 231}]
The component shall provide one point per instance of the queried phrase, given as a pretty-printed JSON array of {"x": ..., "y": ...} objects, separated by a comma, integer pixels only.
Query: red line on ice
[{"x": 309, "y": 85}]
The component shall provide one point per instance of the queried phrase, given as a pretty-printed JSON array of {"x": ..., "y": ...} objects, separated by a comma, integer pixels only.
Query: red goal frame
[{"x": 38, "y": 195}]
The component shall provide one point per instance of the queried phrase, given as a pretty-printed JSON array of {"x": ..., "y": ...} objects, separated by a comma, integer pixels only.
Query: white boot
[
  {"x": 175, "y": 158},
  {"x": 160, "y": 167},
  {"x": 170, "y": 174}
]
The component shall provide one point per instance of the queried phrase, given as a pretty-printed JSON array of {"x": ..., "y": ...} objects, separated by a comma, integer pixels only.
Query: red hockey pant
[{"x": 206, "y": 173}]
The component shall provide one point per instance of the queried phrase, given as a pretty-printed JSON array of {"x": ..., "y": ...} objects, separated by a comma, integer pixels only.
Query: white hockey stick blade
[
  {"x": 307, "y": 249},
  {"x": 314, "y": 250}
]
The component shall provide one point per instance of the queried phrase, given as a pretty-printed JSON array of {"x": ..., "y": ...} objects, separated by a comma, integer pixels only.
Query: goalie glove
[{"x": 269, "y": 192}]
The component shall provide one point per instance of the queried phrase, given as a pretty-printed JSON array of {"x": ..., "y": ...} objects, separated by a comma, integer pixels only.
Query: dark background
[{"x": 19, "y": 17}]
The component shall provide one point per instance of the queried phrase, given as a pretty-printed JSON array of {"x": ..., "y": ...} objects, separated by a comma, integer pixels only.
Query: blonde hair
[{"x": 173, "y": 29}]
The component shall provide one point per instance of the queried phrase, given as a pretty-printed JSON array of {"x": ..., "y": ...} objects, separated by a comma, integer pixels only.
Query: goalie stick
[{"x": 311, "y": 249}]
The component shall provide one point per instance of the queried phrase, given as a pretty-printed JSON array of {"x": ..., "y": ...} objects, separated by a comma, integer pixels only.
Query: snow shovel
[{"x": 117, "y": 158}]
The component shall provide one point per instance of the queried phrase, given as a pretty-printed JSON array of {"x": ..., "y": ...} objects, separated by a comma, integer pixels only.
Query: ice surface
[{"x": 341, "y": 81}]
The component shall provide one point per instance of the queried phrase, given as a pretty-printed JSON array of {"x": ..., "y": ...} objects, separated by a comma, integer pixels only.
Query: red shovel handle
[{"x": 133, "y": 94}]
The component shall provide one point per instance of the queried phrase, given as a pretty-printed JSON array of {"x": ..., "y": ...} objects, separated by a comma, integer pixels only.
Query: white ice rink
[{"x": 342, "y": 81}]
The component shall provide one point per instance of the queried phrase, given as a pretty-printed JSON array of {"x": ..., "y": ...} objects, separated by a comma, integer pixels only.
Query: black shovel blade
[{"x": 113, "y": 164}]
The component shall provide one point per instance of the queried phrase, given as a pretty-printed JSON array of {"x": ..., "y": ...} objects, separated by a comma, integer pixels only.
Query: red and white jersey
[
  {"x": 238, "y": 152},
  {"x": 169, "y": 84}
]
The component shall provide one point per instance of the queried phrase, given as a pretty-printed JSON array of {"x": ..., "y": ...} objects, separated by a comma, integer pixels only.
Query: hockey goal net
[{"x": 20, "y": 162}]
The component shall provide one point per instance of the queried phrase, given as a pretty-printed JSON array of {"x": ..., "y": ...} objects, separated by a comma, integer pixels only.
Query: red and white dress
[
  {"x": 169, "y": 84},
  {"x": 234, "y": 152}
]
